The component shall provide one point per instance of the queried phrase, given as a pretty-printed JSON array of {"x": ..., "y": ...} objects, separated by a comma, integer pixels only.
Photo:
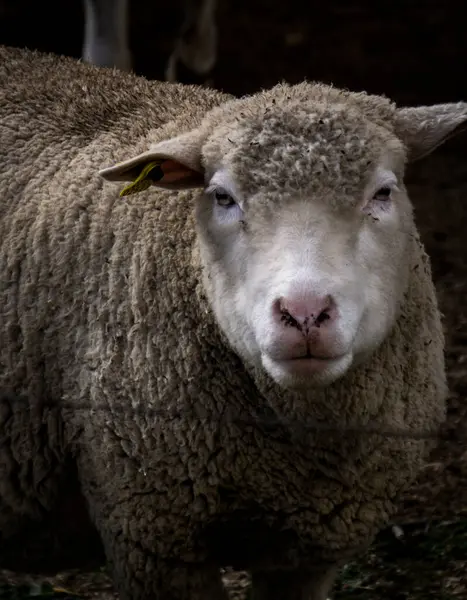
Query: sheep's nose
[{"x": 305, "y": 313}]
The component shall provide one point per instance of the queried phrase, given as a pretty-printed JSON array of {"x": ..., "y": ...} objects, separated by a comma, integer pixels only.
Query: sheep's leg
[
  {"x": 106, "y": 37},
  {"x": 294, "y": 585},
  {"x": 140, "y": 574},
  {"x": 196, "y": 47},
  {"x": 31, "y": 471}
]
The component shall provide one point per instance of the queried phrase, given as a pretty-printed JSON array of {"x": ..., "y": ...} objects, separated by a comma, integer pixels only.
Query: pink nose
[{"x": 306, "y": 313}]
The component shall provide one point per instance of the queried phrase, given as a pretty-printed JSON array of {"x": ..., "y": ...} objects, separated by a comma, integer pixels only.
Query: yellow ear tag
[{"x": 142, "y": 182}]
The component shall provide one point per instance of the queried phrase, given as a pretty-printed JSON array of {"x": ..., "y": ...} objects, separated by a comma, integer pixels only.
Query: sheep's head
[{"x": 303, "y": 220}]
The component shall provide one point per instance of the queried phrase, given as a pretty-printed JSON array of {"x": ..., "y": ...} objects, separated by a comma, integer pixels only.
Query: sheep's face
[{"x": 304, "y": 226}]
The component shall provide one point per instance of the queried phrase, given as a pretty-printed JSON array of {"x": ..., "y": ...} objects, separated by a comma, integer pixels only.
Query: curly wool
[{"x": 103, "y": 310}]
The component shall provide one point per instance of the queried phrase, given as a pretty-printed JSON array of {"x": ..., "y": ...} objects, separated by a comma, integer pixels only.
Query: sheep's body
[
  {"x": 104, "y": 315},
  {"x": 106, "y": 38}
]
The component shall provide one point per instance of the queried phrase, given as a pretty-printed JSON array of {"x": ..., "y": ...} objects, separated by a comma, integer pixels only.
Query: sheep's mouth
[
  {"x": 310, "y": 356},
  {"x": 308, "y": 363}
]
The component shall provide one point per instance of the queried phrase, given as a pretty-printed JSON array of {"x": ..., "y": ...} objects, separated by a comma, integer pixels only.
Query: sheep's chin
[{"x": 306, "y": 373}]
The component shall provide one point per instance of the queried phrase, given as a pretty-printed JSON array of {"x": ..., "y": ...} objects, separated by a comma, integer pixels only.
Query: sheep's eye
[
  {"x": 224, "y": 199},
  {"x": 383, "y": 194}
]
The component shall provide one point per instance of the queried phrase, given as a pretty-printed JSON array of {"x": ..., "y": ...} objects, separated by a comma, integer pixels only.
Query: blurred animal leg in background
[
  {"x": 195, "y": 50},
  {"x": 106, "y": 37}
]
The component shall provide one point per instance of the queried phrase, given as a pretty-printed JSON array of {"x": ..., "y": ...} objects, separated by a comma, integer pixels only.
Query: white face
[
  {"x": 304, "y": 226},
  {"x": 301, "y": 286}
]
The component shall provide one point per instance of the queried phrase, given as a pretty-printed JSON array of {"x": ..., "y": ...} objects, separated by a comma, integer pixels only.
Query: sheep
[
  {"x": 106, "y": 42},
  {"x": 209, "y": 303}
]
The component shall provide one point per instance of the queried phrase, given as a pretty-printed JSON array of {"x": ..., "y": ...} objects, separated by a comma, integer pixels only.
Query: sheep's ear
[
  {"x": 424, "y": 128},
  {"x": 171, "y": 164}
]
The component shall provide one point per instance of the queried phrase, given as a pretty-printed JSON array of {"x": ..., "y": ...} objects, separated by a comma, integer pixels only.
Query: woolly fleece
[{"x": 103, "y": 313}]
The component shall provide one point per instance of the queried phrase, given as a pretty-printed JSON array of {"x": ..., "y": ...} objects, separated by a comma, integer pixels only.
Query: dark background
[{"x": 415, "y": 53}]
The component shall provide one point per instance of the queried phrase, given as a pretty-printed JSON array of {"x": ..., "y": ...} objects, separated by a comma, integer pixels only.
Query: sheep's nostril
[
  {"x": 322, "y": 317},
  {"x": 287, "y": 319}
]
